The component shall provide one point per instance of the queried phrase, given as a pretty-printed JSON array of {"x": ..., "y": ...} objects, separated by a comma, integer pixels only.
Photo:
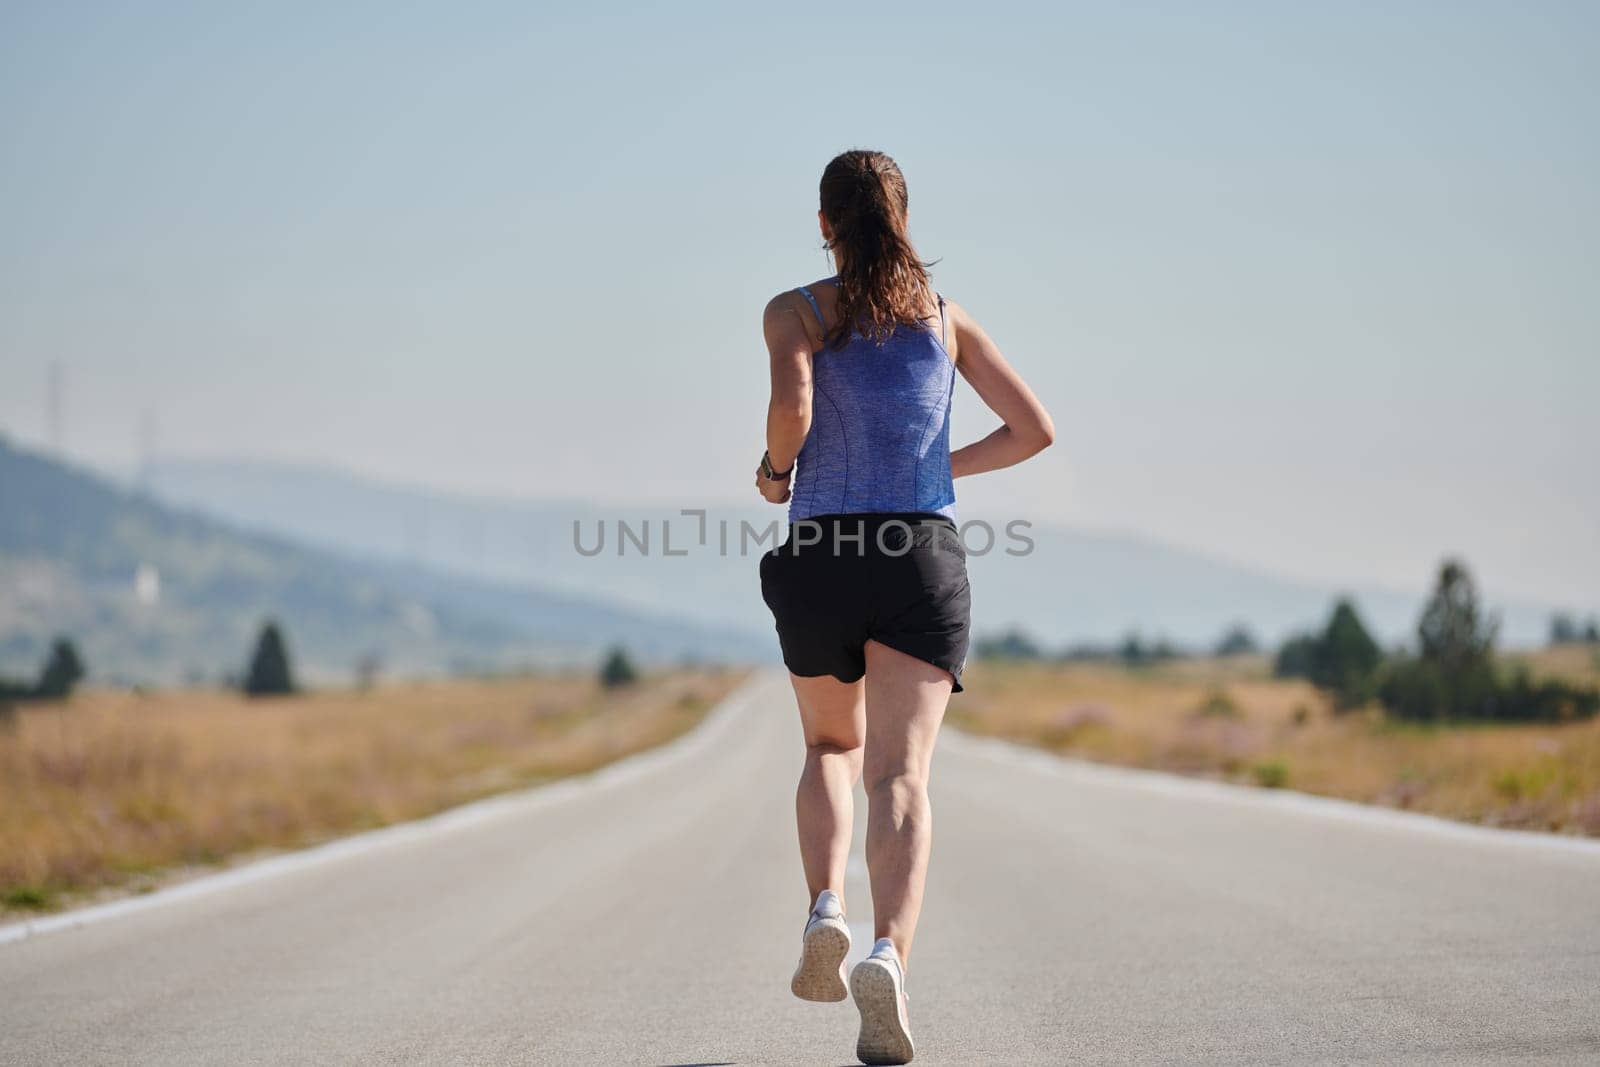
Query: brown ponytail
[{"x": 882, "y": 283}]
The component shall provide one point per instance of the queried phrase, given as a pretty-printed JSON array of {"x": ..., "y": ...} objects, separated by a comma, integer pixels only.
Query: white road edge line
[
  {"x": 470, "y": 814},
  {"x": 1014, "y": 754}
]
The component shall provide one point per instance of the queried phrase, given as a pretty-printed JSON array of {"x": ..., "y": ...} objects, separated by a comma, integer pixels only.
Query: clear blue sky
[{"x": 1311, "y": 286}]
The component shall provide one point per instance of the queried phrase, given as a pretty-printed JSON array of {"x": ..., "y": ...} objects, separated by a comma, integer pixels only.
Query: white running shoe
[
  {"x": 878, "y": 984},
  {"x": 823, "y": 948}
]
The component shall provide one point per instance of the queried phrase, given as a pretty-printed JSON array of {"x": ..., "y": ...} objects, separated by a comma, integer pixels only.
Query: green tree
[
  {"x": 1564, "y": 629},
  {"x": 1132, "y": 652},
  {"x": 62, "y": 670},
  {"x": 269, "y": 673},
  {"x": 1453, "y": 632},
  {"x": 1348, "y": 657},
  {"x": 617, "y": 670},
  {"x": 1238, "y": 641},
  {"x": 1342, "y": 659},
  {"x": 1296, "y": 656},
  {"x": 1454, "y": 676}
]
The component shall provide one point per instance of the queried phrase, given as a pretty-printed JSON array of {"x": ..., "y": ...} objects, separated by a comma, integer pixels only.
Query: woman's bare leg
[
  {"x": 833, "y": 717},
  {"x": 906, "y": 699}
]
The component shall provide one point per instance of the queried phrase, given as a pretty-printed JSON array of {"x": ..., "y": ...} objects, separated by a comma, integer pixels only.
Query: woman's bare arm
[
  {"x": 789, "y": 348},
  {"x": 1025, "y": 428}
]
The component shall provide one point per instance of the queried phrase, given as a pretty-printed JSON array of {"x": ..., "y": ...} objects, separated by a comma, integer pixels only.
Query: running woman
[{"x": 869, "y": 592}]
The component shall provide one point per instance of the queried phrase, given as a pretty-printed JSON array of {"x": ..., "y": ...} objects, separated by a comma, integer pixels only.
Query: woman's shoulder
[
  {"x": 811, "y": 298},
  {"x": 821, "y": 285},
  {"x": 804, "y": 308},
  {"x": 798, "y": 292}
]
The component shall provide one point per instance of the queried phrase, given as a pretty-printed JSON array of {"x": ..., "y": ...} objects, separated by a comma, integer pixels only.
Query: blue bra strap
[{"x": 813, "y": 302}]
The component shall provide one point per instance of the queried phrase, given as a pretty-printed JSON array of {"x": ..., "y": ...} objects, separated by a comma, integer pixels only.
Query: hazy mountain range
[
  {"x": 1075, "y": 586},
  {"x": 154, "y": 592}
]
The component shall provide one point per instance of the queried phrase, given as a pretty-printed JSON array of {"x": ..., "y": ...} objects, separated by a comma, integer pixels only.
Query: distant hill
[
  {"x": 158, "y": 593},
  {"x": 1076, "y": 586}
]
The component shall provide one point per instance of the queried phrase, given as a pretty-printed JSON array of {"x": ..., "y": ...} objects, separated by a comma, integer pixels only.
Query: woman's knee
[
  {"x": 819, "y": 749},
  {"x": 902, "y": 788}
]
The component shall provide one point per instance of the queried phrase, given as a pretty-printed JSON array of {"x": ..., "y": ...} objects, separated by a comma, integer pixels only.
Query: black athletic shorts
[{"x": 841, "y": 580}]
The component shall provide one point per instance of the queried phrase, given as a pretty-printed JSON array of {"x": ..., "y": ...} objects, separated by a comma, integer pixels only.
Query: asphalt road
[{"x": 652, "y": 916}]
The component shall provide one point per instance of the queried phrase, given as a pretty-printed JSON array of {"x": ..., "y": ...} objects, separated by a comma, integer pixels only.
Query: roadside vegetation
[
  {"x": 117, "y": 790},
  {"x": 1446, "y": 725}
]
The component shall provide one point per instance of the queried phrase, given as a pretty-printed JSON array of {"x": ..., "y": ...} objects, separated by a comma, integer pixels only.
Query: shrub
[
  {"x": 617, "y": 669},
  {"x": 1271, "y": 774},
  {"x": 1134, "y": 652},
  {"x": 1217, "y": 705},
  {"x": 1418, "y": 690},
  {"x": 1513, "y": 785},
  {"x": 28, "y": 896}
]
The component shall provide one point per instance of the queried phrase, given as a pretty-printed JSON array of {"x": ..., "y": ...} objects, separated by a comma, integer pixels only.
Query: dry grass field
[
  {"x": 1230, "y": 719},
  {"x": 113, "y": 789}
]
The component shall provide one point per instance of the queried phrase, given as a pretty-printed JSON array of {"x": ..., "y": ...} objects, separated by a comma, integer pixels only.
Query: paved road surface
[{"x": 1075, "y": 914}]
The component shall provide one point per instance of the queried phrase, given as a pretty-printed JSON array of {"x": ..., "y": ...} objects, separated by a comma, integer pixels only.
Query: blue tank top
[{"x": 880, "y": 425}]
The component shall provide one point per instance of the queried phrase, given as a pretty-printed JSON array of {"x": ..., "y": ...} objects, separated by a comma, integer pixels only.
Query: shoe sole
[
  {"x": 883, "y": 1037},
  {"x": 822, "y": 951}
]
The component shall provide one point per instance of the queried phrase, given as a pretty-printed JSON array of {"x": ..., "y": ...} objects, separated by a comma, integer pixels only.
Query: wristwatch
[{"x": 772, "y": 475}]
